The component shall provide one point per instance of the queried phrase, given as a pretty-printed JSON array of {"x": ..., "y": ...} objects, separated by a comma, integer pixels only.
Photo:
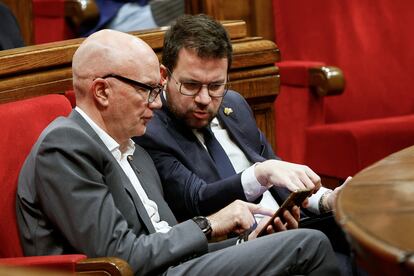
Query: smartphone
[{"x": 295, "y": 198}]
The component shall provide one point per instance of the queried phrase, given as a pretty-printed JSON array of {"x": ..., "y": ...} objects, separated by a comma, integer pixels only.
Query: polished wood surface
[
  {"x": 104, "y": 266},
  {"x": 30, "y": 271},
  {"x": 112, "y": 266},
  {"x": 46, "y": 68},
  {"x": 80, "y": 12},
  {"x": 376, "y": 210},
  {"x": 258, "y": 14},
  {"x": 326, "y": 80}
]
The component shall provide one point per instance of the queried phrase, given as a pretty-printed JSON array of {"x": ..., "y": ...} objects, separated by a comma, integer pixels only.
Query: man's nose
[
  {"x": 202, "y": 96},
  {"x": 156, "y": 104}
]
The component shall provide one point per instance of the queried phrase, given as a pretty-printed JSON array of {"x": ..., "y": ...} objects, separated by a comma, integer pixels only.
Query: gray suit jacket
[{"x": 73, "y": 197}]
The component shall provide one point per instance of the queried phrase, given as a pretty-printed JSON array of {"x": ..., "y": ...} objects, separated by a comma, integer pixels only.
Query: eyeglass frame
[
  {"x": 152, "y": 90},
  {"x": 225, "y": 84}
]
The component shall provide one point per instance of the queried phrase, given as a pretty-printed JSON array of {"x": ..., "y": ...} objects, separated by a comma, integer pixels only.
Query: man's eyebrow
[{"x": 190, "y": 80}]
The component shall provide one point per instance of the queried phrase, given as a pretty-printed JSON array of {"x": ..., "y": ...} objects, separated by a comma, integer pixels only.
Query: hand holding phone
[{"x": 295, "y": 199}]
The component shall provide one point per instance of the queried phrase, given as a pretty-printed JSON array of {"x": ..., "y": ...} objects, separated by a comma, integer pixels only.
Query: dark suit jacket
[
  {"x": 73, "y": 197},
  {"x": 190, "y": 179},
  {"x": 10, "y": 36}
]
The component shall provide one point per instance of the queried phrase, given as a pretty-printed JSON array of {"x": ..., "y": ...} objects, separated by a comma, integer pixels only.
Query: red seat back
[
  {"x": 371, "y": 43},
  {"x": 50, "y": 22},
  {"x": 21, "y": 124}
]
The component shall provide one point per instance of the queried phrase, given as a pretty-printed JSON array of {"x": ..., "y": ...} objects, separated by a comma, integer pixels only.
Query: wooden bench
[{"x": 46, "y": 68}]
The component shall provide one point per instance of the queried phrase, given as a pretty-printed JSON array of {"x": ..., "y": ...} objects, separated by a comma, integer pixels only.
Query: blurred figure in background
[
  {"x": 134, "y": 15},
  {"x": 10, "y": 36}
]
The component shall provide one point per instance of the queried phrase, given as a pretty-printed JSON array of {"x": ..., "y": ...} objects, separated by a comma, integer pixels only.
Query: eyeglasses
[
  {"x": 152, "y": 91},
  {"x": 192, "y": 88}
]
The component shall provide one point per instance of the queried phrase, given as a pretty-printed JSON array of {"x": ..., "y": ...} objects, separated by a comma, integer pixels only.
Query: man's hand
[
  {"x": 291, "y": 222},
  {"x": 236, "y": 217},
  {"x": 289, "y": 175},
  {"x": 331, "y": 199}
]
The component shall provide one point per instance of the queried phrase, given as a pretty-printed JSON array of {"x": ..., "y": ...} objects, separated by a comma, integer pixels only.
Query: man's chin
[
  {"x": 197, "y": 124},
  {"x": 141, "y": 131}
]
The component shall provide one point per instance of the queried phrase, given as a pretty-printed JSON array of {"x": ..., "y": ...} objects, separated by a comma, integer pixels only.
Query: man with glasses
[
  {"x": 205, "y": 142},
  {"x": 202, "y": 172},
  {"x": 87, "y": 188}
]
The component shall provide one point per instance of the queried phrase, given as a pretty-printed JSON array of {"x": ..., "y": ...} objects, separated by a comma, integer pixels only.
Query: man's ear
[
  {"x": 164, "y": 74},
  {"x": 101, "y": 89}
]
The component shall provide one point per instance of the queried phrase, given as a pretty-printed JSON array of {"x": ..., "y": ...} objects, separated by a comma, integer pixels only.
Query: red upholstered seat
[
  {"x": 338, "y": 149},
  {"x": 21, "y": 123},
  {"x": 70, "y": 95},
  {"x": 58, "y": 262},
  {"x": 338, "y": 136},
  {"x": 295, "y": 110}
]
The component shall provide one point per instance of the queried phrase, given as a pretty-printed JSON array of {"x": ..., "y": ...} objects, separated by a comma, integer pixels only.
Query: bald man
[{"x": 87, "y": 188}]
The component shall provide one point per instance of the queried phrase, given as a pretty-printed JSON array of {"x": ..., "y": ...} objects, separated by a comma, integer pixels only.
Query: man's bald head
[
  {"x": 100, "y": 67},
  {"x": 106, "y": 52}
]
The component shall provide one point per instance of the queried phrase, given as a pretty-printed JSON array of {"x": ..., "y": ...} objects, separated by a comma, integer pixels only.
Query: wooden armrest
[
  {"x": 82, "y": 265},
  {"x": 104, "y": 266},
  {"x": 410, "y": 263},
  {"x": 326, "y": 80},
  {"x": 31, "y": 271},
  {"x": 80, "y": 12}
]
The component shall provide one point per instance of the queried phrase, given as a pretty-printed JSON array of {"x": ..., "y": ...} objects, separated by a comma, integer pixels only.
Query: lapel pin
[{"x": 228, "y": 111}]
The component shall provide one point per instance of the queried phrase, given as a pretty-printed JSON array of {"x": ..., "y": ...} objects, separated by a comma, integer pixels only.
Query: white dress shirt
[
  {"x": 122, "y": 159},
  {"x": 251, "y": 186}
]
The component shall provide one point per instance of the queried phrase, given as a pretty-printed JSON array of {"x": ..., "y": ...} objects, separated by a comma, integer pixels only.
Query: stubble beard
[{"x": 187, "y": 117}]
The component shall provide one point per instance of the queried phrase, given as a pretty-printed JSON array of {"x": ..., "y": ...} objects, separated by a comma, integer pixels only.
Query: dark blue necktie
[{"x": 217, "y": 153}]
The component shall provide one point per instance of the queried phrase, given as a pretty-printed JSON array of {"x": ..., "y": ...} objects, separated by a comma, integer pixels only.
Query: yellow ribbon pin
[{"x": 228, "y": 111}]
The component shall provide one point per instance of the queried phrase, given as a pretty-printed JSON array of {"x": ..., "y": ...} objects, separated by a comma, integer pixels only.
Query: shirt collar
[
  {"x": 109, "y": 142},
  {"x": 215, "y": 124}
]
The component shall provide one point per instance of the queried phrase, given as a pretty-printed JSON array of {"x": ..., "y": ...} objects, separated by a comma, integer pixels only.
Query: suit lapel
[
  {"x": 124, "y": 178},
  {"x": 143, "y": 214},
  {"x": 234, "y": 128},
  {"x": 153, "y": 191}
]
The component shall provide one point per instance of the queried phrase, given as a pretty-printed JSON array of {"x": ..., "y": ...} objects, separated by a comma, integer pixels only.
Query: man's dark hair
[{"x": 198, "y": 32}]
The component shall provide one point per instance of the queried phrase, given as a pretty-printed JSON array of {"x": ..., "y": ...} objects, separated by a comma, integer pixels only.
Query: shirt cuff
[
  {"x": 251, "y": 186},
  {"x": 314, "y": 200}
]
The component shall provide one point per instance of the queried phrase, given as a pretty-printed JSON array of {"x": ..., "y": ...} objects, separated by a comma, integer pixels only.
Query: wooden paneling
[
  {"x": 46, "y": 68},
  {"x": 258, "y": 14}
]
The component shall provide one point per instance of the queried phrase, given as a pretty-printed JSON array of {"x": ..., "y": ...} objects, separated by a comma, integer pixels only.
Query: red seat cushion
[
  {"x": 21, "y": 124},
  {"x": 343, "y": 149},
  {"x": 59, "y": 262}
]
